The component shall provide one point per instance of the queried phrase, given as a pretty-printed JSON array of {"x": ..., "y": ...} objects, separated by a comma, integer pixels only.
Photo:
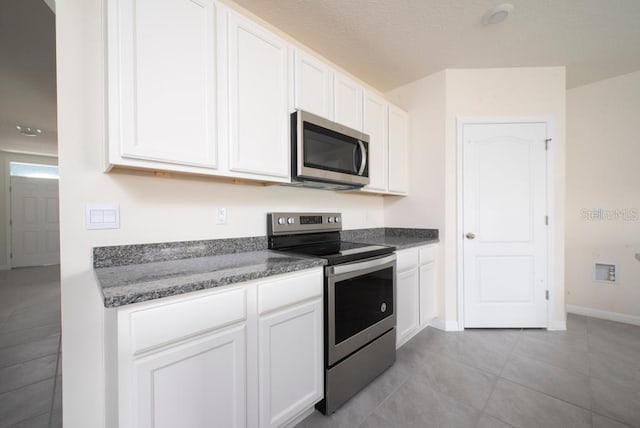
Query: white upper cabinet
[
  {"x": 313, "y": 85},
  {"x": 398, "y": 150},
  {"x": 347, "y": 101},
  {"x": 258, "y": 100},
  {"x": 196, "y": 87},
  {"x": 162, "y": 82},
  {"x": 375, "y": 125}
]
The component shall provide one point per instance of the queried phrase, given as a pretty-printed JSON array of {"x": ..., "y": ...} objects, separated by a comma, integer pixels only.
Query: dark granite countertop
[
  {"x": 400, "y": 238},
  {"x": 137, "y": 273},
  {"x": 122, "y": 285}
]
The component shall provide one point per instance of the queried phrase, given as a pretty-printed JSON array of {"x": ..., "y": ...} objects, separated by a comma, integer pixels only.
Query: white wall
[
  {"x": 425, "y": 100},
  {"x": 514, "y": 92},
  {"x": 5, "y": 212},
  {"x": 603, "y": 151},
  {"x": 153, "y": 209}
]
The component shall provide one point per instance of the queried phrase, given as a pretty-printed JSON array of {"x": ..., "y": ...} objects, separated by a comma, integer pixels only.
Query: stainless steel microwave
[{"x": 325, "y": 154}]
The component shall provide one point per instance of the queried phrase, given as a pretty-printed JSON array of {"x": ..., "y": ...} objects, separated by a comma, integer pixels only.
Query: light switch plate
[
  {"x": 221, "y": 216},
  {"x": 103, "y": 216}
]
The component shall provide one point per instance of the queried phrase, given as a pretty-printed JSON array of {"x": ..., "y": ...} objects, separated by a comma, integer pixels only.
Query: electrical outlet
[{"x": 221, "y": 216}]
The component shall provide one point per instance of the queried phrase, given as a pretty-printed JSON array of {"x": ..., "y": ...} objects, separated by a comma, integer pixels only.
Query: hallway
[{"x": 30, "y": 369}]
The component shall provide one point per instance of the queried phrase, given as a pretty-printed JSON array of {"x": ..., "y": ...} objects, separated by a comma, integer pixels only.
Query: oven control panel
[{"x": 286, "y": 223}]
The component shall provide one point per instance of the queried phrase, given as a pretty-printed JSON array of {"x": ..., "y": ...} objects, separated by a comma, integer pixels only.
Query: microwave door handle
[
  {"x": 354, "y": 166},
  {"x": 363, "y": 160}
]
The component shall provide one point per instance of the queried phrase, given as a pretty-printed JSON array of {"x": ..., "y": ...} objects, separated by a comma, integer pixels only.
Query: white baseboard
[
  {"x": 438, "y": 323},
  {"x": 605, "y": 315},
  {"x": 444, "y": 325},
  {"x": 558, "y": 325}
]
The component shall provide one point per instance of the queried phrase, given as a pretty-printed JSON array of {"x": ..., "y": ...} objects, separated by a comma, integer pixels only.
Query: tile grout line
[
  {"x": 29, "y": 384},
  {"x": 535, "y": 390},
  {"x": 55, "y": 383},
  {"x": 17, "y": 424},
  {"x": 384, "y": 400},
  {"x": 498, "y": 377},
  {"x": 27, "y": 361}
]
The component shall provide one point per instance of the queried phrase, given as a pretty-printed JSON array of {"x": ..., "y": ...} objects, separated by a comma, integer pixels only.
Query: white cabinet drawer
[
  {"x": 288, "y": 290},
  {"x": 427, "y": 254},
  {"x": 407, "y": 259},
  {"x": 170, "y": 322}
]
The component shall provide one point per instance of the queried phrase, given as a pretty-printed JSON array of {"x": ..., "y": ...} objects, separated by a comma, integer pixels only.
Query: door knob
[{"x": 470, "y": 235}]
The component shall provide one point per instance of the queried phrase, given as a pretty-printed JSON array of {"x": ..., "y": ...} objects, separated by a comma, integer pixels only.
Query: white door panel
[
  {"x": 313, "y": 85},
  {"x": 347, "y": 102},
  {"x": 258, "y": 100},
  {"x": 35, "y": 230},
  {"x": 504, "y": 206},
  {"x": 163, "y": 69}
]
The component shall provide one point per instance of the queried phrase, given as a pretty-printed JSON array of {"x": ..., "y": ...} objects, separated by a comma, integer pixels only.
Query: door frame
[{"x": 550, "y": 194}]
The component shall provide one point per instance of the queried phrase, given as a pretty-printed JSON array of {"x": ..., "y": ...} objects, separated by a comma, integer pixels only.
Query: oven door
[{"x": 360, "y": 303}]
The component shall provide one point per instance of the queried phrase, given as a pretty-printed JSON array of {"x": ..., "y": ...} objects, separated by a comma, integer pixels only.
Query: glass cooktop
[{"x": 341, "y": 251}]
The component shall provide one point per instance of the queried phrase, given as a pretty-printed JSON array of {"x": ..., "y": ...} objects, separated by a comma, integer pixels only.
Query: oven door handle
[{"x": 354, "y": 267}]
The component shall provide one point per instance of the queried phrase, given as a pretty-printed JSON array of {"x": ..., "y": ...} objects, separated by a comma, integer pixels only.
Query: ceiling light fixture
[
  {"x": 497, "y": 14},
  {"x": 28, "y": 131}
]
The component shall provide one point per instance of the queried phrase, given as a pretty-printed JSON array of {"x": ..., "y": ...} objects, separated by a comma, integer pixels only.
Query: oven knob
[
  {"x": 291, "y": 220},
  {"x": 282, "y": 220},
  {"x": 331, "y": 219},
  {"x": 338, "y": 219}
]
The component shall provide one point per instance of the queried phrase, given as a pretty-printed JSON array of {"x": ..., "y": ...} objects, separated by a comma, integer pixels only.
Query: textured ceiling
[
  {"x": 389, "y": 43},
  {"x": 27, "y": 74}
]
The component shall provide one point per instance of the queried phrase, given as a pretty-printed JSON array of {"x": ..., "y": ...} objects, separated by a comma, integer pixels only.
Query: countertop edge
[{"x": 189, "y": 287}]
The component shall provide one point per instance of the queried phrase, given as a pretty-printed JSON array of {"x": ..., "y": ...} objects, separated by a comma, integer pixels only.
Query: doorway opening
[{"x": 34, "y": 221}]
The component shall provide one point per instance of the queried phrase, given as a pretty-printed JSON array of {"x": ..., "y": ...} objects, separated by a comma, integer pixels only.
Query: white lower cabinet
[
  {"x": 291, "y": 361},
  {"x": 198, "y": 384},
  {"x": 428, "y": 294},
  {"x": 407, "y": 289},
  {"x": 246, "y": 355},
  {"x": 416, "y": 291}
]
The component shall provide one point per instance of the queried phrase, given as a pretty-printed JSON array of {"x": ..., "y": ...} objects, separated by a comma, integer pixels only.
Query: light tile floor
[
  {"x": 30, "y": 369},
  {"x": 587, "y": 376}
]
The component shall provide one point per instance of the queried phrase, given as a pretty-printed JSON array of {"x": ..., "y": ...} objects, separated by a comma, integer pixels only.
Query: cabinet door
[
  {"x": 200, "y": 383},
  {"x": 408, "y": 301},
  {"x": 375, "y": 125},
  {"x": 398, "y": 150},
  {"x": 312, "y": 85},
  {"x": 162, "y": 81},
  {"x": 258, "y": 112},
  {"x": 428, "y": 296},
  {"x": 291, "y": 362},
  {"x": 347, "y": 102}
]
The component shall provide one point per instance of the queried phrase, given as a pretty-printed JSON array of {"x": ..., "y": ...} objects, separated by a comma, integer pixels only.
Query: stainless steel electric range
[{"x": 359, "y": 300}]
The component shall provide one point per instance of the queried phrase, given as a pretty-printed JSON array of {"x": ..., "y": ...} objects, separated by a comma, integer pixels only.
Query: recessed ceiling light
[
  {"x": 28, "y": 131},
  {"x": 497, "y": 14}
]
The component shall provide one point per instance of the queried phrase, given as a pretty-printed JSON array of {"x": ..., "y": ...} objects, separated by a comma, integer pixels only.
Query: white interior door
[
  {"x": 504, "y": 223},
  {"x": 35, "y": 227}
]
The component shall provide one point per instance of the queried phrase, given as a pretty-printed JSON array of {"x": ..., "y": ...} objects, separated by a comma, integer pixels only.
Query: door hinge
[
  {"x": 546, "y": 294},
  {"x": 546, "y": 143},
  {"x": 546, "y": 220}
]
